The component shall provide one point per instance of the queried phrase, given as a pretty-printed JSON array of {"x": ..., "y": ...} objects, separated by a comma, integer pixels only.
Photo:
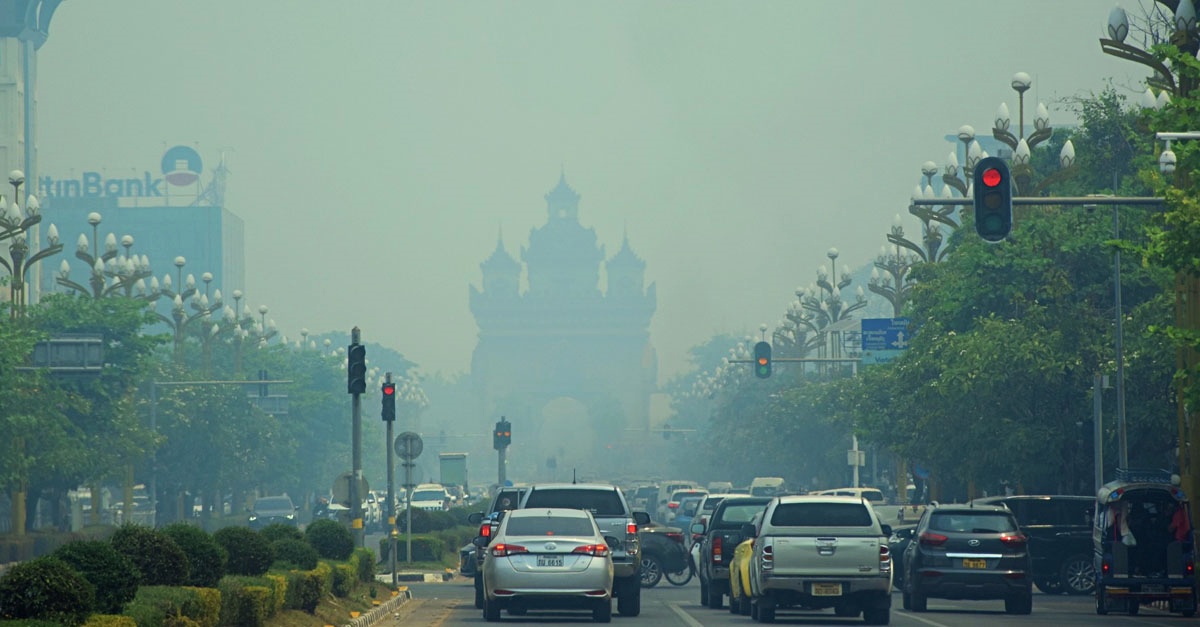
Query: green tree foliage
[
  {"x": 157, "y": 557},
  {"x": 279, "y": 531},
  {"x": 206, "y": 558},
  {"x": 46, "y": 588},
  {"x": 113, "y": 575},
  {"x": 294, "y": 553}
]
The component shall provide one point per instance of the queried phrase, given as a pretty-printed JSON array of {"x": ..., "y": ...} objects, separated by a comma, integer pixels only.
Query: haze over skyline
[{"x": 377, "y": 153}]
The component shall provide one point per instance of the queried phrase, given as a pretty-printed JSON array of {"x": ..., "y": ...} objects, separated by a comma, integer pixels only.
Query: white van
[
  {"x": 431, "y": 496},
  {"x": 767, "y": 486},
  {"x": 872, "y": 495}
]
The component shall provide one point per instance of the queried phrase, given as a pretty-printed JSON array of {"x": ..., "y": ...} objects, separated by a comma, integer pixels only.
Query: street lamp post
[
  {"x": 15, "y": 226},
  {"x": 1181, "y": 29},
  {"x": 894, "y": 287}
]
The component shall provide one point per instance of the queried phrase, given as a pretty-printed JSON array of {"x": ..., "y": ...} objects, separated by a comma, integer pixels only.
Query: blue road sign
[{"x": 885, "y": 334}]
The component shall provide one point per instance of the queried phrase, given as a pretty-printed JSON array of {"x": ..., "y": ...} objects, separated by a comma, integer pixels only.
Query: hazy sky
[{"x": 377, "y": 147}]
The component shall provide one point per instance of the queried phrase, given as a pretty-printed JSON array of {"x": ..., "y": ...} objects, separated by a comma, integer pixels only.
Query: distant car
[
  {"x": 548, "y": 558},
  {"x": 970, "y": 552},
  {"x": 739, "y": 573},
  {"x": 269, "y": 510},
  {"x": 720, "y": 487},
  {"x": 897, "y": 544},
  {"x": 687, "y": 511},
  {"x": 505, "y": 499},
  {"x": 672, "y": 507},
  {"x": 431, "y": 496},
  {"x": 1059, "y": 528}
]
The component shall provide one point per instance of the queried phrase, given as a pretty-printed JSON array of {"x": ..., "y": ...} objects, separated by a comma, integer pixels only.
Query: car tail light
[
  {"x": 631, "y": 529},
  {"x": 673, "y": 505},
  {"x": 768, "y": 558},
  {"x": 1189, "y": 568},
  {"x": 933, "y": 539},
  {"x": 485, "y": 530},
  {"x": 1015, "y": 541},
  {"x": 1105, "y": 567},
  {"x": 885, "y": 559},
  {"x": 676, "y": 536},
  {"x": 717, "y": 545},
  {"x": 595, "y": 550},
  {"x": 505, "y": 550}
]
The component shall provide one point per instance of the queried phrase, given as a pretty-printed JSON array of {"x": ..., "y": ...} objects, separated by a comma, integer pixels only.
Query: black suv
[
  {"x": 1059, "y": 528},
  {"x": 968, "y": 552}
]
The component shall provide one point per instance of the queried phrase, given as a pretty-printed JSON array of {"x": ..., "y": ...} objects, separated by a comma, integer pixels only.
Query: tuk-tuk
[{"x": 1142, "y": 536}]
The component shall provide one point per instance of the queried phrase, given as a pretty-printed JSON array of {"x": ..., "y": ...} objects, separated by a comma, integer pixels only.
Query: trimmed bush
[
  {"x": 425, "y": 521},
  {"x": 244, "y": 604},
  {"x": 425, "y": 549},
  {"x": 179, "y": 621},
  {"x": 158, "y": 559},
  {"x": 275, "y": 532},
  {"x": 112, "y": 573},
  {"x": 157, "y": 605},
  {"x": 249, "y": 553},
  {"x": 291, "y": 553},
  {"x": 305, "y": 588},
  {"x": 47, "y": 589},
  {"x": 363, "y": 562},
  {"x": 206, "y": 558},
  {"x": 330, "y": 539},
  {"x": 343, "y": 580},
  {"x": 110, "y": 620}
]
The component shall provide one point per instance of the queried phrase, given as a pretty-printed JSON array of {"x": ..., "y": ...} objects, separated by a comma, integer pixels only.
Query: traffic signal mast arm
[{"x": 1045, "y": 200}]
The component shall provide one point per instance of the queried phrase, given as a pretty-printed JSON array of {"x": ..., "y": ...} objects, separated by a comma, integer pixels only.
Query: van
[
  {"x": 872, "y": 495},
  {"x": 767, "y": 486}
]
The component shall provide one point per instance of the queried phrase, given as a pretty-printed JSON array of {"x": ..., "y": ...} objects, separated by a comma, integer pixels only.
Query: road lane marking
[
  {"x": 923, "y": 620},
  {"x": 684, "y": 616}
]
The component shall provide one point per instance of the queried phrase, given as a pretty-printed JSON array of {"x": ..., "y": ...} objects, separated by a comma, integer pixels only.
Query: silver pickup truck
[{"x": 821, "y": 552}]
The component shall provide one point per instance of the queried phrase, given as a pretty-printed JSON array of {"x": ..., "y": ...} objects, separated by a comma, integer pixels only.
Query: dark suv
[
  {"x": 1059, "y": 529},
  {"x": 968, "y": 552},
  {"x": 472, "y": 555}
]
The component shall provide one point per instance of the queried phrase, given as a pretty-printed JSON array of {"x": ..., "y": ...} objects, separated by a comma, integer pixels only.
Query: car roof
[
  {"x": 1033, "y": 497},
  {"x": 556, "y": 512},
  {"x": 573, "y": 486},
  {"x": 968, "y": 508}
]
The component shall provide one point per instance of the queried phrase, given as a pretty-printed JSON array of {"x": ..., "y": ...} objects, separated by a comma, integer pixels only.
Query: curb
[
  {"x": 383, "y": 609},
  {"x": 416, "y": 577}
]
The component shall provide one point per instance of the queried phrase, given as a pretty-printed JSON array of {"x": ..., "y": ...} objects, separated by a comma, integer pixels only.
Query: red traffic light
[
  {"x": 389, "y": 389},
  {"x": 992, "y": 177}
]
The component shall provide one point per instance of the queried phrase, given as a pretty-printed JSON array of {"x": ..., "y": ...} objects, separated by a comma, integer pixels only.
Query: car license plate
[
  {"x": 974, "y": 563},
  {"x": 549, "y": 560},
  {"x": 1153, "y": 588},
  {"x": 827, "y": 589}
]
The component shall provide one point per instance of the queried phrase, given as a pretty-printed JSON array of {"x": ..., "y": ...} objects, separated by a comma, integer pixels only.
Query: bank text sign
[{"x": 181, "y": 166}]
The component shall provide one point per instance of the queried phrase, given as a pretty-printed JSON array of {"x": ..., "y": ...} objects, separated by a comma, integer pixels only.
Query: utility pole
[{"x": 356, "y": 385}]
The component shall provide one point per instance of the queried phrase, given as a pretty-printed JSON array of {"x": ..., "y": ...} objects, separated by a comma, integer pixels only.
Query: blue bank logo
[{"x": 181, "y": 165}]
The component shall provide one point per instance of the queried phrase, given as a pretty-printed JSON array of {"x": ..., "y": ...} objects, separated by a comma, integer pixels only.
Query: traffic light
[
  {"x": 356, "y": 369},
  {"x": 993, "y": 199},
  {"x": 389, "y": 401},
  {"x": 502, "y": 436},
  {"x": 762, "y": 360}
]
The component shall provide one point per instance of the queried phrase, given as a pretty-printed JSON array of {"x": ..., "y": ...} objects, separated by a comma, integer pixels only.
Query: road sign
[
  {"x": 880, "y": 334},
  {"x": 408, "y": 446},
  {"x": 341, "y": 488}
]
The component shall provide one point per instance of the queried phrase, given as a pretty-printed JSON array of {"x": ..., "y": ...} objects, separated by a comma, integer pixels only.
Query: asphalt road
[{"x": 452, "y": 603}]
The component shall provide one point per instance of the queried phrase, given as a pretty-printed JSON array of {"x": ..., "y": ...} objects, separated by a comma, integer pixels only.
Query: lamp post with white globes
[
  {"x": 1176, "y": 24},
  {"x": 15, "y": 226},
  {"x": 110, "y": 273}
]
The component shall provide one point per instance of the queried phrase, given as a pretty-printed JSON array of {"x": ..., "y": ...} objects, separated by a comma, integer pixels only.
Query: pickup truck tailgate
[{"x": 825, "y": 555}]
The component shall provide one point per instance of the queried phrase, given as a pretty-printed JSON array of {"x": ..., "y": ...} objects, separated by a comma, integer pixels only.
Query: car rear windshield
[
  {"x": 972, "y": 522},
  {"x": 598, "y": 502},
  {"x": 734, "y": 515},
  {"x": 550, "y": 526},
  {"x": 712, "y": 502},
  {"x": 821, "y": 515},
  {"x": 429, "y": 495}
]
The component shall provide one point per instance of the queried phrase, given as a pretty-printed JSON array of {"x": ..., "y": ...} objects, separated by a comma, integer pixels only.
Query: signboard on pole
[{"x": 884, "y": 339}]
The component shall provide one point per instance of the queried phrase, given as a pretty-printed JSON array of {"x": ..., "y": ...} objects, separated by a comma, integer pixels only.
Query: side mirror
[
  {"x": 887, "y": 529},
  {"x": 697, "y": 528},
  {"x": 475, "y": 518},
  {"x": 480, "y": 541},
  {"x": 641, "y": 518},
  {"x": 748, "y": 530}
]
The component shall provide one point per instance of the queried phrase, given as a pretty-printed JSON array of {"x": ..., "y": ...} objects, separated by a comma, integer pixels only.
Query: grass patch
[{"x": 332, "y": 610}]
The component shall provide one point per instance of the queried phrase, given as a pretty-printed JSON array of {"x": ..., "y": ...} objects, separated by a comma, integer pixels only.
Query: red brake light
[
  {"x": 631, "y": 529},
  {"x": 1189, "y": 568},
  {"x": 675, "y": 535},
  {"x": 991, "y": 177},
  {"x": 716, "y": 548},
  {"x": 485, "y": 530},
  {"x": 1105, "y": 567},
  {"x": 673, "y": 505},
  {"x": 1017, "y": 540},
  {"x": 504, "y": 550},
  {"x": 933, "y": 539},
  {"x": 595, "y": 550}
]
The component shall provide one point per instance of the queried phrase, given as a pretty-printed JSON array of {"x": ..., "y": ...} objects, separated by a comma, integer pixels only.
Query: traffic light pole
[
  {"x": 391, "y": 487},
  {"x": 356, "y": 514},
  {"x": 500, "y": 472}
]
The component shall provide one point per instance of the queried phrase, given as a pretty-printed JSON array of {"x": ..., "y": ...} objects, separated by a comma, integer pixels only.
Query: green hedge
[
  {"x": 343, "y": 580},
  {"x": 46, "y": 589},
  {"x": 426, "y": 548},
  {"x": 154, "y": 606},
  {"x": 306, "y": 588},
  {"x": 109, "y": 620},
  {"x": 363, "y": 562},
  {"x": 245, "y": 605}
]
